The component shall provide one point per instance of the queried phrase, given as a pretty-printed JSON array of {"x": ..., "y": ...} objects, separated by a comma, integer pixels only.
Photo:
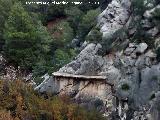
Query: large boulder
[{"x": 86, "y": 63}]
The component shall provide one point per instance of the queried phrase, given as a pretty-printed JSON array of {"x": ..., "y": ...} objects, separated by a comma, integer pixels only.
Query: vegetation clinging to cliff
[{"x": 28, "y": 42}]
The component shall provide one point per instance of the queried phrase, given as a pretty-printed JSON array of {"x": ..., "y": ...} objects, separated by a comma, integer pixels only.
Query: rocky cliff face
[
  {"x": 133, "y": 70},
  {"x": 114, "y": 17},
  {"x": 80, "y": 80}
]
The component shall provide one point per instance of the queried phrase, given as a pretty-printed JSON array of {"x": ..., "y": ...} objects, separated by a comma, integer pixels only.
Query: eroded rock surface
[
  {"x": 86, "y": 63},
  {"x": 114, "y": 17},
  {"x": 133, "y": 70}
]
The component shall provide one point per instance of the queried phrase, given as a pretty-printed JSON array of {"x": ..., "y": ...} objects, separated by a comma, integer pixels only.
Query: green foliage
[
  {"x": 139, "y": 7},
  {"x": 63, "y": 57},
  {"x": 26, "y": 41},
  {"x": 140, "y": 34},
  {"x": 125, "y": 87},
  {"x": 74, "y": 16},
  {"x": 5, "y": 6},
  {"x": 62, "y": 35},
  {"x": 94, "y": 36},
  {"x": 62, "y": 54},
  {"x": 59, "y": 54},
  {"x": 28, "y": 44},
  {"x": 114, "y": 42},
  {"x": 88, "y": 22},
  {"x": 56, "y": 11}
]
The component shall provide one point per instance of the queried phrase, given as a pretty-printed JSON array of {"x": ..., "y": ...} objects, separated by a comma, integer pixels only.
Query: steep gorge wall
[{"x": 133, "y": 70}]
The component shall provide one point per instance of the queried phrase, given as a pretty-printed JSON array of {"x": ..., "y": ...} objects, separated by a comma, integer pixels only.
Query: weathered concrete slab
[{"x": 58, "y": 74}]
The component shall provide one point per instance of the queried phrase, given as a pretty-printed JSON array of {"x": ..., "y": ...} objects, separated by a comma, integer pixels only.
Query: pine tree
[
  {"x": 26, "y": 41},
  {"x": 5, "y": 6}
]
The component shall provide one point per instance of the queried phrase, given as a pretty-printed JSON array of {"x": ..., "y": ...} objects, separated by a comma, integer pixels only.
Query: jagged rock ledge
[
  {"x": 98, "y": 77},
  {"x": 83, "y": 77},
  {"x": 86, "y": 90}
]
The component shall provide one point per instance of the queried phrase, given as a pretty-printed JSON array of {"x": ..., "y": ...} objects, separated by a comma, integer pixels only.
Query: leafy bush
[
  {"x": 88, "y": 22},
  {"x": 152, "y": 96},
  {"x": 43, "y": 66},
  {"x": 113, "y": 42},
  {"x": 26, "y": 41},
  {"x": 62, "y": 34},
  {"x": 140, "y": 34},
  {"x": 139, "y": 7},
  {"x": 28, "y": 44},
  {"x": 55, "y": 11},
  {"x": 21, "y": 102},
  {"x": 4, "y": 13},
  {"x": 63, "y": 57},
  {"x": 74, "y": 16},
  {"x": 59, "y": 54},
  {"x": 94, "y": 36}
]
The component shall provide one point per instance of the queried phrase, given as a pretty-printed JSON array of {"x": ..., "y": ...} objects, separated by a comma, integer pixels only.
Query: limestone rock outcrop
[
  {"x": 86, "y": 63},
  {"x": 133, "y": 70},
  {"x": 114, "y": 17}
]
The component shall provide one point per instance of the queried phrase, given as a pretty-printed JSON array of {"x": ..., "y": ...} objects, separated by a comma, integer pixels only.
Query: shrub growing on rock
[
  {"x": 63, "y": 57},
  {"x": 114, "y": 41},
  {"x": 88, "y": 22},
  {"x": 95, "y": 36},
  {"x": 139, "y": 7},
  {"x": 125, "y": 87},
  {"x": 152, "y": 96}
]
